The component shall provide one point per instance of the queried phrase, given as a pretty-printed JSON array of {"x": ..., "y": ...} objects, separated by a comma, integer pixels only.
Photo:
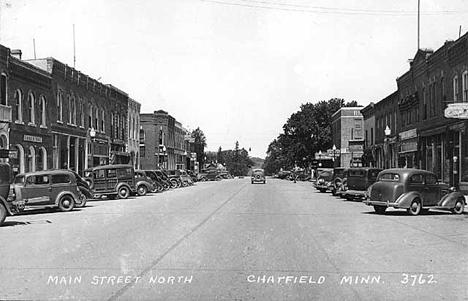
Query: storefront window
[{"x": 464, "y": 158}]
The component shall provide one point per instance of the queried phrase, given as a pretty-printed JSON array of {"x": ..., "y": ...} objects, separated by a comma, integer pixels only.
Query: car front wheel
[
  {"x": 124, "y": 192},
  {"x": 66, "y": 203},
  {"x": 83, "y": 200},
  {"x": 3, "y": 213},
  {"x": 415, "y": 208},
  {"x": 459, "y": 207},
  {"x": 142, "y": 190}
]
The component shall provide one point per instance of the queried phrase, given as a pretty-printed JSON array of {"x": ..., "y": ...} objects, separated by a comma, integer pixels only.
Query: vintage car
[
  {"x": 117, "y": 180},
  {"x": 160, "y": 179},
  {"x": 339, "y": 178},
  {"x": 358, "y": 180},
  {"x": 183, "y": 179},
  {"x": 37, "y": 190},
  {"x": 86, "y": 193},
  {"x": 213, "y": 175},
  {"x": 143, "y": 183},
  {"x": 258, "y": 176},
  {"x": 324, "y": 177},
  {"x": 415, "y": 190}
]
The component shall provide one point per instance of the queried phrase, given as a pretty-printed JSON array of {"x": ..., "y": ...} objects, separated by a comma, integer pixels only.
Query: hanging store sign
[
  {"x": 408, "y": 134},
  {"x": 32, "y": 138},
  {"x": 457, "y": 110},
  {"x": 409, "y": 147}
]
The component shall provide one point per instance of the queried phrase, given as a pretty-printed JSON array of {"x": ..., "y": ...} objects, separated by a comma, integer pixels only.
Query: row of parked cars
[
  {"x": 65, "y": 189},
  {"x": 415, "y": 190}
]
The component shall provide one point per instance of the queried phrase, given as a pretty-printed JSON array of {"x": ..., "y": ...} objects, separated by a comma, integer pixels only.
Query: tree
[
  {"x": 199, "y": 144},
  {"x": 305, "y": 132}
]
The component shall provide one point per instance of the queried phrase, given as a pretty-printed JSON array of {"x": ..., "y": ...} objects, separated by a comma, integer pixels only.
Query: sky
[{"x": 237, "y": 69}]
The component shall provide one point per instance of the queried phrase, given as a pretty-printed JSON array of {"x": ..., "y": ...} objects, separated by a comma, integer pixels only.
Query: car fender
[
  {"x": 119, "y": 185},
  {"x": 7, "y": 206},
  {"x": 63, "y": 193},
  {"x": 148, "y": 185},
  {"x": 405, "y": 200},
  {"x": 449, "y": 200}
]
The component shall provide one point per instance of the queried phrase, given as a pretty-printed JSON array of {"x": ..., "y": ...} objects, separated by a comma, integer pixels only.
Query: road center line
[{"x": 121, "y": 291}]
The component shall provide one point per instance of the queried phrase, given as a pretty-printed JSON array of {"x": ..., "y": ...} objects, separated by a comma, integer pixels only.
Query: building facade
[
  {"x": 134, "y": 132},
  {"x": 348, "y": 135}
]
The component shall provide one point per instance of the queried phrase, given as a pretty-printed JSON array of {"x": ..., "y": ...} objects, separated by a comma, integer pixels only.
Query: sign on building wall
[
  {"x": 408, "y": 134},
  {"x": 32, "y": 138},
  {"x": 457, "y": 110}
]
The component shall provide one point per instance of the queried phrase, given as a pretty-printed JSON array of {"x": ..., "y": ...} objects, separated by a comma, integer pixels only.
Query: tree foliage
[
  {"x": 236, "y": 161},
  {"x": 200, "y": 144},
  {"x": 305, "y": 132}
]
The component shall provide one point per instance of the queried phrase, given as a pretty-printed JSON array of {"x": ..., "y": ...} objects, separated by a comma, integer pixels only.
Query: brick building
[
  {"x": 348, "y": 135},
  {"x": 134, "y": 132},
  {"x": 163, "y": 142}
]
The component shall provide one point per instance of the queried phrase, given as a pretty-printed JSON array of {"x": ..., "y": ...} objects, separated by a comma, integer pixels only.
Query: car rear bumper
[
  {"x": 369, "y": 202},
  {"x": 355, "y": 193}
]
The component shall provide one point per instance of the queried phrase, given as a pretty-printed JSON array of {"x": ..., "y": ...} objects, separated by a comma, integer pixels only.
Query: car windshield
[
  {"x": 325, "y": 173},
  {"x": 392, "y": 177},
  {"x": 19, "y": 179}
]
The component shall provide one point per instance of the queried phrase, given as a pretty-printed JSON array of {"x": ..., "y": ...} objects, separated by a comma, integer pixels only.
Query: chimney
[{"x": 16, "y": 53}]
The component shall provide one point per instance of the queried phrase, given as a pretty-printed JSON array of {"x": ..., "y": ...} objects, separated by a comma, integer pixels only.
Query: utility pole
[{"x": 419, "y": 6}]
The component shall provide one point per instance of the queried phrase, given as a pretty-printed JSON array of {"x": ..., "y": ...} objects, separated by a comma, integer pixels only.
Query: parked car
[
  {"x": 358, "y": 180},
  {"x": 284, "y": 174},
  {"x": 193, "y": 175},
  {"x": 181, "y": 175},
  {"x": 143, "y": 183},
  {"x": 415, "y": 190},
  {"x": 213, "y": 175},
  {"x": 339, "y": 179},
  {"x": 302, "y": 176},
  {"x": 111, "y": 180},
  {"x": 258, "y": 175},
  {"x": 160, "y": 179},
  {"x": 86, "y": 193},
  {"x": 40, "y": 189},
  {"x": 324, "y": 177}
]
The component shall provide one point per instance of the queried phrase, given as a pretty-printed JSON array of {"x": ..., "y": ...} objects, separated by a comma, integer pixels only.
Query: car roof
[
  {"x": 48, "y": 171},
  {"x": 406, "y": 171},
  {"x": 110, "y": 166},
  {"x": 258, "y": 169}
]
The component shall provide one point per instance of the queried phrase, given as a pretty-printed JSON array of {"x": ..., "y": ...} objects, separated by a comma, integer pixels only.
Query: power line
[{"x": 325, "y": 10}]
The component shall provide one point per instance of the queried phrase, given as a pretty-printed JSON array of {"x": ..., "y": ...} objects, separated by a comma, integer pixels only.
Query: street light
[
  {"x": 387, "y": 133},
  {"x": 334, "y": 149},
  {"x": 320, "y": 158},
  {"x": 164, "y": 156}
]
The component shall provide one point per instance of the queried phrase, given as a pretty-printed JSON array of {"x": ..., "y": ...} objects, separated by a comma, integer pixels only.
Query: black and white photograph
[{"x": 233, "y": 150}]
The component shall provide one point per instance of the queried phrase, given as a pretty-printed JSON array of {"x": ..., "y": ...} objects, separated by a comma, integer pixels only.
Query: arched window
[
  {"x": 18, "y": 164},
  {"x": 60, "y": 106},
  {"x": 42, "y": 159},
  {"x": 103, "y": 128},
  {"x": 90, "y": 116},
  {"x": 31, "y": 159},
  {"x": 18, "y": 113},
  {"x": 3, "y": 89},
  {"x": 32, "y": 105},
  {"x": 456, "y": 94},
  {"x": 42, "y": 110}
]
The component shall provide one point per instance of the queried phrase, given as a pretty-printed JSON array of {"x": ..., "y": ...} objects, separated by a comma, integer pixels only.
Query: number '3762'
[{"x": 417, "y": 279}]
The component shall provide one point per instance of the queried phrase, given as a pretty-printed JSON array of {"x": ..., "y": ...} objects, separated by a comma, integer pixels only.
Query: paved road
[{"x": 235, "y": 241}]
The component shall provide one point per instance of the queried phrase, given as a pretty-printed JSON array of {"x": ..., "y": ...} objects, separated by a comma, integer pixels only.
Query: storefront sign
[
  {"x": 409, "y": 147},
  {"x": 32, "y": 138},
  {"x": 408, "y": 134},
  {"x": 457, "y": 110}
]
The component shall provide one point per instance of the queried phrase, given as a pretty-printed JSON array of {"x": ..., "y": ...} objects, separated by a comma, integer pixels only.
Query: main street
[{"x": 236, "y": 241}]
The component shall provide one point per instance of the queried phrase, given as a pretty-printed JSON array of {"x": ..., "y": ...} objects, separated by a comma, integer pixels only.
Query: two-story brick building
[{"x": 348, "y": 135}]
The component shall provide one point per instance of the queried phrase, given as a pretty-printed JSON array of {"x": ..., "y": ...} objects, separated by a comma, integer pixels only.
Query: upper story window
[
  {"x": 32, "y": 105},
  {"x": 465, "y": 86},
  {"x": 3, "y": 89},
  {"x": 18, "y": 106},
  {"x": 81, "y": 112},
  {"x": 42, "y": 110},
  {"x": 73, "y": 110},
  {"x": 456, "y": 93},
  {"x": 90, "y": 116},
  {"x": 96, "y": 117},
  {"x": 424, "y": 103},
  {"x": 60, "y": 106},
  {"x": 103, "y": 129}
]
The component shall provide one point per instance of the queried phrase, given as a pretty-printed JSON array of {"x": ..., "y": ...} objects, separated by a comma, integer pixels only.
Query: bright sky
[{"x": 235, "y": 68}]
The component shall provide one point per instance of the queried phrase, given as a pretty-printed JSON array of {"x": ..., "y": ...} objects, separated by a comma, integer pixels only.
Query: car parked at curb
[
  {"x": 339, "y": 179},
  {"x": 143, "y": 183},
  {"x": 358, "y": 180},
  {"x": 117, "y": 180},
  {"x": 258, "y": 176},
  {"x": 38, "y": 190},
  {"x": 324, "y": 177},
  {"x": 415, "y": 190}
]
